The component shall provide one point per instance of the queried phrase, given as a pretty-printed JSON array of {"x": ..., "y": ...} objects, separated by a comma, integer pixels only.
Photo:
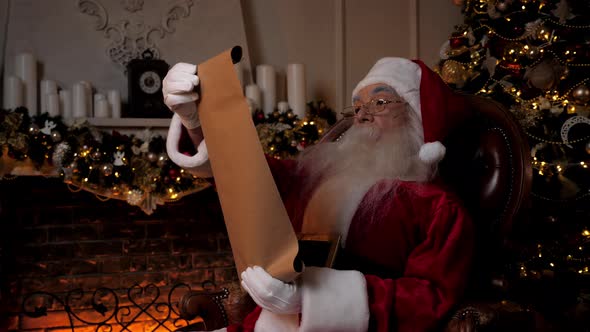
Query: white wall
[
  {"x": 70, "y": 47},
  {"x": 3, "y": 22},
  {"x": 437, "y": 19},
  {"x": 280, "y": 32},
  {"x": 337, "y": 40}
]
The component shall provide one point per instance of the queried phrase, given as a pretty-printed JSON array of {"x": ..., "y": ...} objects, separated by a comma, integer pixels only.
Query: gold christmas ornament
[
  {"x": 581, "y": 94},
  {"x": 571, "y": 109},
  {"x": 532, "y": 52},
  {"x": 501, "y": 6},
  {"x": 34, "y": 129},
  {"x": 107, "y": 169},
  {"x": 564, "y": 74},
  {"x": 458, "y": 51},
  {"x": 544, "y": 75},
  {"x": 544, "y": 33},
  {"x": 55, "y": 136},
  {"x": 152, "y": 157},
  {"x": 162, "y": 159},
  {"x": 454, "y": 73}
]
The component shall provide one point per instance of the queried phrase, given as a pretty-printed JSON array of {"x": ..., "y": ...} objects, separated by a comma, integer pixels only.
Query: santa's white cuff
[
  {"x": 197, "y": 164},
  {"x": 334, "y": 300},
  {"x": 191, "y": 121},
  {"x": 271, "y": 322}
]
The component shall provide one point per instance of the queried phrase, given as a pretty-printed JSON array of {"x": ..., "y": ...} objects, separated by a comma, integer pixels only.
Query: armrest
[{"x": 204, "y": 305}]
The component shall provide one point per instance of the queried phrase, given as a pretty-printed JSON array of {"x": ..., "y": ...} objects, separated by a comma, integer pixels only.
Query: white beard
[
  {"x": 367, "y": 153},
  {"x": 348, "y": 168}
]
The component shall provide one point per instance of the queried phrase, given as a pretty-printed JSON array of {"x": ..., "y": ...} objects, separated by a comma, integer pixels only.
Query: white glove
[
  {"x": 270, "y": 293},
  {"x": 179, "y": 96}
]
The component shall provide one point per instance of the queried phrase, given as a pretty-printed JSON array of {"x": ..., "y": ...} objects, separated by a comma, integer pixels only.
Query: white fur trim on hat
[
  {"x": 271, "y": 322},
  {"x": 334, "y": 300},
  {"x": 401, "y": 74},
  {"x": 432, "y": 153},
  {"x": 197, "y": 164}
]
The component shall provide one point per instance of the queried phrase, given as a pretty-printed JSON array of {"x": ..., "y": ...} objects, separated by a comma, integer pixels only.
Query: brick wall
[{"x": 55, "y": 240}]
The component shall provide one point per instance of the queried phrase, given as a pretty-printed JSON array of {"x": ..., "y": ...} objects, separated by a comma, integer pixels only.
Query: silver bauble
[
  {"x": 152, "y": 156},
  {"x": 96, "y": 155},
  {"x": 581, "y": 94},
  {"x": 55, "y": 136},
  {"x": 58, "y": 154},
  {"x": 545, "y": 75},
  {"x": 532, "y": 52},
  {"x": 162, "y": 159},
  {"x": 33, "y": 129},
  {"x": 107, "y": 169},
  {"x": 501, "y": 6}
]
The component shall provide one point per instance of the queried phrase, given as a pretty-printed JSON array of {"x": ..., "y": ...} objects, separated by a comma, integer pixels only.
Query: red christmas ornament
[
  {"x": 457, "y": 42},
  {"x": 173, "y": 172},
  {"x": 514, "y": 68},
  {"x": 518, "y": 30}
]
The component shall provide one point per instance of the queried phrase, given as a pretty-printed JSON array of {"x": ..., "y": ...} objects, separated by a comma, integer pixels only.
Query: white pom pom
[{"x": 432, "y": 153}]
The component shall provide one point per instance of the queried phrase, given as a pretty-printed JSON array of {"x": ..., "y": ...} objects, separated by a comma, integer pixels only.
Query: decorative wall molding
[
  {"x": 93, "y": 8},
  {"x": 179, "y": 9},
  {"x": 132, "y": 5},
  {"x": 131, "y": 37}
]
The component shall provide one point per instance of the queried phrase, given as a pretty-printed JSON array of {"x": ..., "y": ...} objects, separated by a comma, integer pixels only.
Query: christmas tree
[{"x": 533, "y": 56}]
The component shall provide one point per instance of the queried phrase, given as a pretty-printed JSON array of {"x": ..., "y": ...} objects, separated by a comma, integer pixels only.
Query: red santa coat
[
  {"x": 414, "y": 254},
  {"x": 415, "y": 251}
]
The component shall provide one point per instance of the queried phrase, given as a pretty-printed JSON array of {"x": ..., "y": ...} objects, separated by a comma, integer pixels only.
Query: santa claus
[{"x": 407, "y": 241}]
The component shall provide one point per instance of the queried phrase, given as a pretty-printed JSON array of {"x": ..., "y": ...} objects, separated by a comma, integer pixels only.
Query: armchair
[{"x": 488, "y": 165}]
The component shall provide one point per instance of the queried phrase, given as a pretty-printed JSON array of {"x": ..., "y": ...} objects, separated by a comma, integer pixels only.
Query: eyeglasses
[{"x": 374, "y": 107}]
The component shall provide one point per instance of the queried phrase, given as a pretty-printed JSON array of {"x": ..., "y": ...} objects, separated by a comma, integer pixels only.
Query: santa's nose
[{"x": 364, "y": 116}]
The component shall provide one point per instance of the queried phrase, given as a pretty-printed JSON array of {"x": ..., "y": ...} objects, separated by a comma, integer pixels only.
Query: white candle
[
  {"x": 296, "y": 88},
  {"x": 114, "y": 98},
  {"x": 79, "y": 101},
  {"x": 253, "y": 94},
  {"x": 101, "y": 108},
  {"x": 89, "y": 100},
  {"x": 65, "y": 103},
  {"x": 266, "y": 80},
  {"x": 13, "y": 92},
  {"x": 26, "y": 70},
  {"x": 53, "y": 104},
  {"x": 48, "y": 87},
  {"x": 239, "y": 67},
  {"x": 283, "y": 106}
]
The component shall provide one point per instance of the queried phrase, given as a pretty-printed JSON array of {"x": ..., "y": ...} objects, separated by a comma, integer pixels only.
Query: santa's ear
[{"x": 432, "y": 153}]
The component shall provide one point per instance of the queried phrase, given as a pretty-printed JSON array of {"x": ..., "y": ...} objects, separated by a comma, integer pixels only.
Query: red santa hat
[{"x": 437, "y": 106}]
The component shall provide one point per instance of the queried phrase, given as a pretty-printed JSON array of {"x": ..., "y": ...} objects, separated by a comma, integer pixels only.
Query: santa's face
[{"x": 379, "y": 107}]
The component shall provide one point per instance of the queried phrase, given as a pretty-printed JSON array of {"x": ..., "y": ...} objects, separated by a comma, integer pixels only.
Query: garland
[
  {"x": 283, "y": 135},
  {"x": 136, "y": 170},
  {"x": 116, "y": 166}
]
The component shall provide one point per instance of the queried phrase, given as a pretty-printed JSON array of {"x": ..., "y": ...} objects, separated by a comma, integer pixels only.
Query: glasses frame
[{"x": 354, "y": 110}]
